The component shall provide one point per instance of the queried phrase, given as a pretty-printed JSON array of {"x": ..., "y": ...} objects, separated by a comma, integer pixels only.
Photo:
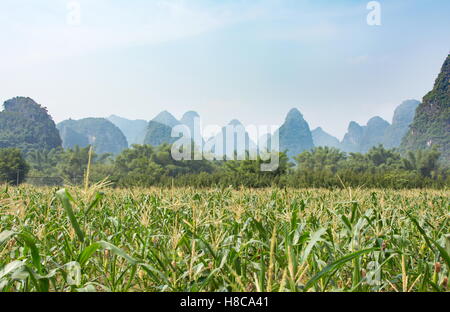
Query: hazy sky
[{"x": 252, "y": 60}]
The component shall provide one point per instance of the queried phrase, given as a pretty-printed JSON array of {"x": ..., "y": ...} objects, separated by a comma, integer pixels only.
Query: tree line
[{"x": 145, "y": 166}]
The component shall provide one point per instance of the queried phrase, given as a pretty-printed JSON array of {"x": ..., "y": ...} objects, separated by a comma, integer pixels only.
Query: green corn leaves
[
  {"x": 430, "y": 242},
  {"x": 223, "y": 240},
  {"x": 65, "y": 199},
  {"x": 89, "y": 251},
  {"x": 329, "y": 269}
]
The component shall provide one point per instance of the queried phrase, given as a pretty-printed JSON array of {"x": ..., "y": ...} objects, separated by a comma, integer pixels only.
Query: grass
[{"x": 100, "y": 239}]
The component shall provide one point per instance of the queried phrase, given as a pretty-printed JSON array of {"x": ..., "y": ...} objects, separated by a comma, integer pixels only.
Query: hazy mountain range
[
  {"x": 295, "y": 135},
  {"x": 114, "y": 134},
  {"x": 415, "y": 125},
  {"x": 134, "y": 130}
]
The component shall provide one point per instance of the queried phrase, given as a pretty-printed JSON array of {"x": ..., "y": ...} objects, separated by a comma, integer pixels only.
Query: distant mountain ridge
[
  {"x": 108, "y": 135},
  {"x": 167, "y": 119},
  {"x": 295, "y": 135},
  {"x": 134, "y": 130},
  {"x": 27, "y": 125},
  {"x": 240, "y": 141},
  {"x": 322, "y": 138},
  {"x": 360, "y": 139},
  {"x": 353, "y": 138},
  {"x": 374, "y": 133},
  {"x": 102, "y": 134},
  {"x": 403, "y": 118},
  {"x": 159, "y": 129}
]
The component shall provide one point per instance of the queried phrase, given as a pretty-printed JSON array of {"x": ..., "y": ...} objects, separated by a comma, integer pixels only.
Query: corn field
[{"x": 270, "y": 240}]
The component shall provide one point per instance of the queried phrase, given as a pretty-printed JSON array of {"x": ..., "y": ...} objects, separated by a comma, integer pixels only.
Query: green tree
[
  {"x": 424, "y": 162},
  {"x": 74, "y": 163},
  {"x": 320, "y": 159},
  {"x": 13, "y": 167},
  {"x": 379, "y": 156},
  {"x": 44, "y": 162}
]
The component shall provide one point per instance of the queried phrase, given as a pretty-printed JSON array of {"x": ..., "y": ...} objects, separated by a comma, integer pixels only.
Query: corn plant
[{"x": 277, "y": 240}]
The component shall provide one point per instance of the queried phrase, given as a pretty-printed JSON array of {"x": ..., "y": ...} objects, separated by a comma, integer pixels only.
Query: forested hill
[
  {"x": 431, "y": 126},
  {"x": 102, "y": 134},
  {"x": 27, "y": 125}
]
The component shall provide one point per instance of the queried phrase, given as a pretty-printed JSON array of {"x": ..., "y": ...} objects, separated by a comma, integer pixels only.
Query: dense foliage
[
  {"x": 13, "y": 167},
  {"x": 145, "y": 165},
  {"x": 26, "y": 125},
  {"x": 65, "y": 166}
]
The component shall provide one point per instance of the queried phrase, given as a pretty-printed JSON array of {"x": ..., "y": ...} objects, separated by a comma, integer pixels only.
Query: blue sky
[{"x": 248, "y": 59}]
